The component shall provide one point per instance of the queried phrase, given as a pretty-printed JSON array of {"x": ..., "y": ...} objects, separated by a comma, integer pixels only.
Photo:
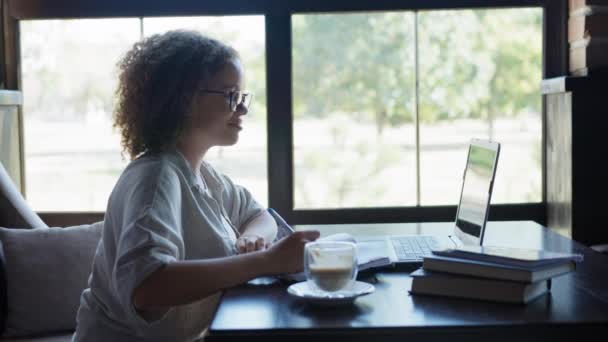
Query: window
[
  {"x": 480, "y": 74},
  {"x": 73, "y": 156},
  {"x": 355, "y": 96},
  {"x": 370, "y": 107},
  {"x": 354, "y": 110},
  {"x": 245, "y": 162}
]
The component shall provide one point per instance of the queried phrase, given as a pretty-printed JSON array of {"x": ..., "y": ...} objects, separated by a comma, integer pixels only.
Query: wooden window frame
[{"x": 279, "y": 84}]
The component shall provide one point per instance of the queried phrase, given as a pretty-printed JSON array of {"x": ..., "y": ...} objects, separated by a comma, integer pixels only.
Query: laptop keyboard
[{"x": 413, "y": 247}]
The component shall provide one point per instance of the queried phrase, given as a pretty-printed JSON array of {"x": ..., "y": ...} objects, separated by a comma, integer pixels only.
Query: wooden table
[{"x": 578, "y": 302}]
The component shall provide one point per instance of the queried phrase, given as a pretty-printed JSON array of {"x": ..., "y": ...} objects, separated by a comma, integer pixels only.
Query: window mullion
[
  {"x": 280, "y": 116},
  {"x": 417, "y": 109}
]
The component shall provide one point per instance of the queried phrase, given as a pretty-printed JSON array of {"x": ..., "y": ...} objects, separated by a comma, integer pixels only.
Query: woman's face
[{"x": 212, "y": 118}]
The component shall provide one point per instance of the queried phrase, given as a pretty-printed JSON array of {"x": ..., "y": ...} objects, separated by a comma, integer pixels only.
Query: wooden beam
[
  {"x": 58, "y": 9},
  {"x": 10, "y": 49}
]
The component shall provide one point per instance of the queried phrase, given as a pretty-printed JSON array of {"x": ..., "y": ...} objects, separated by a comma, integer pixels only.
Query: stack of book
[
  {"x": 588, "y": 36},
  {"x": 491, "y": 273}
]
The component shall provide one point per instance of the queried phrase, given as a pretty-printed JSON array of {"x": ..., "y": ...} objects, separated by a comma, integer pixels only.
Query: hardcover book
[
  {"x": 449, "y": 285},
  {"x": 518, "y": 257},
  {"x": 494, "y": 270}
]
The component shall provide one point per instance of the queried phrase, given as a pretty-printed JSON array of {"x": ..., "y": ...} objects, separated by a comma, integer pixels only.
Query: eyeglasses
[{"x": 236, "y": 98}]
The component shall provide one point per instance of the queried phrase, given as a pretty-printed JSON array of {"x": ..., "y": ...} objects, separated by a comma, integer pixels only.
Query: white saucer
[{"x": 302, "y": 290}]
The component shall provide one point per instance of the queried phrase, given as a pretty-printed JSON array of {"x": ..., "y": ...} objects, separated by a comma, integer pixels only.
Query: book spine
[
  {"x": 583, "y": 26},
  {"x": 578, "y": 59},
  {"x": 577, "y": 4},
  {"x": 580, "y": 72},
  {"x": 478, "y": 271},
  {"x": 508, "y": 292},
  {"x": 591, "y": 56},
  {"x": 574, "y": 5},
  {"x": 588, "y": 10}
]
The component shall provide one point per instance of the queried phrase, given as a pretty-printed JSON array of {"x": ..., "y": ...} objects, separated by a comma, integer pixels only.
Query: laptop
[{"x": 471, "y": 216}]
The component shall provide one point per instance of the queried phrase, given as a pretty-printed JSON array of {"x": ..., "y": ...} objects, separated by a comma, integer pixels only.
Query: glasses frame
[{"x": 236, "y": 98}]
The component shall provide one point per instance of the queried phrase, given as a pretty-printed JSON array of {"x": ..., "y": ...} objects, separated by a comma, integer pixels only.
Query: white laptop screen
[{"x": 476, "y": 191}]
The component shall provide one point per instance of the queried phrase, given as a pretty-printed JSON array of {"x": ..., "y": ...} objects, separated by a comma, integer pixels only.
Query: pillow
[{"x": 46, "y": 271}]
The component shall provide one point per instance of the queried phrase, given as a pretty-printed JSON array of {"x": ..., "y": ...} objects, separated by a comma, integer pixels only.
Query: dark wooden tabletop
[{"x": 578, "y": 302}]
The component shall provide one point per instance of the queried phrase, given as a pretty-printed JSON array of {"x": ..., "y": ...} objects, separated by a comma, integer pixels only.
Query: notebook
[
  {"x": 471, "y": 216},
  {"x": 513, "y": 257}
]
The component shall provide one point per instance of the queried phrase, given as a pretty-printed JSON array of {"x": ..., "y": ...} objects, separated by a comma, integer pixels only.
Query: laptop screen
[{"x": 476, "y": 191}]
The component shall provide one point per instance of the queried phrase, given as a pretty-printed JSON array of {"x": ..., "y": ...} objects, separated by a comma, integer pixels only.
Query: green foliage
[
  {"x": 355, "y": 63},
  {"x": 472, "y": 64},
  {"x": 359, "y": 169}
]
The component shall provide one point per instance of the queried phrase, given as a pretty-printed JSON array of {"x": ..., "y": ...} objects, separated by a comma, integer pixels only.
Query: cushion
[{"x": 46, "y": 271}]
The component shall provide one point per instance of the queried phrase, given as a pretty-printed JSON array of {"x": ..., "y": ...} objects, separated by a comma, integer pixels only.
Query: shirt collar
[
  {"x": 184, "y": 166},
  {"x": 178, "y": 159}
]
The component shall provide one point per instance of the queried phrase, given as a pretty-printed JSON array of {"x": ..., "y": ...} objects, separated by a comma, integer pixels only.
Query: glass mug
[{"x": 330, "y": 266}]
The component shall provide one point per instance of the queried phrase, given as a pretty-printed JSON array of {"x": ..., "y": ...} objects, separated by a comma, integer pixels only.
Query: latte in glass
[{"x": 330, "y": 265}]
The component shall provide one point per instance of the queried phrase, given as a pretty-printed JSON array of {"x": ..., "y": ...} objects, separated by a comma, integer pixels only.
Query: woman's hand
[
  {"x": 250, "y": 243},
  {"x": 287, "y": 255}
]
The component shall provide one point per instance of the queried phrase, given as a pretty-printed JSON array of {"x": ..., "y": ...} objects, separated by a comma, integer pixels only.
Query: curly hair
[{"x": 159, "y": 78}]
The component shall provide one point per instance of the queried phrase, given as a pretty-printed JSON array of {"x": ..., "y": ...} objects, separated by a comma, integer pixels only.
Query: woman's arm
[
  {"x": 183, "y": 282},
  {"x": 257, "y": 233}
]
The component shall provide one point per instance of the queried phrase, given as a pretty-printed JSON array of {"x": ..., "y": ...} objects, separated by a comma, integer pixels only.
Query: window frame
[{"x": 279, "y": 84}]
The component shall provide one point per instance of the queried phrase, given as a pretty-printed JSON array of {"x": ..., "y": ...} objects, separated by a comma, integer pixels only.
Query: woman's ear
[{"x": 194, "y": 104}]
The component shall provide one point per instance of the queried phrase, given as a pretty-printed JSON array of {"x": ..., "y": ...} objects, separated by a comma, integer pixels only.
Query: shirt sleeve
[
  {"x": 150, "y": 238},
  {"x": 239, "y": 203}
]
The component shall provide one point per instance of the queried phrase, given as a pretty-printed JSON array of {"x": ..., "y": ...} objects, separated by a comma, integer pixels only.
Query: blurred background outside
[{"x": 354, "y": 100}]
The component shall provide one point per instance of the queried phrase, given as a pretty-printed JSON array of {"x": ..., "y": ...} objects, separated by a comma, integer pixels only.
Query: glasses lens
[
  {"x": 247, "y": 100},
  {"x": 233, "y": 101},
  {"x": 238, "y": 98}
]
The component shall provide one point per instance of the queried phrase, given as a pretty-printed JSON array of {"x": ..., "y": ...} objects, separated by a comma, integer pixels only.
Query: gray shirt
[{"x": 159, "y": 212}]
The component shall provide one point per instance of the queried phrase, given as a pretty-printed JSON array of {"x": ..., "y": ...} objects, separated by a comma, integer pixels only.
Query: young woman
[{"x": 176, "y": 231}]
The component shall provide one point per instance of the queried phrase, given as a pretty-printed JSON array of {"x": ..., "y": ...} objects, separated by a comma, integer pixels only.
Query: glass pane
[
  {"x": 9, "y": 150},
  {"x": 73, "y": 157},
  {"x": 480, "y": 73},
  {"x": 245, "y": 162},
  {"x": 354, "y": 132}
]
